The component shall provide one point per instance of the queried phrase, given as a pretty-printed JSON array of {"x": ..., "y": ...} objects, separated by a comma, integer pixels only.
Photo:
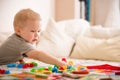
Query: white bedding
[
  {"x": 79, "y": 62},
  {"x": 76, "y": 62},
  {"x": 59, "y": 38},
  {"x": 94, "y": 62}
]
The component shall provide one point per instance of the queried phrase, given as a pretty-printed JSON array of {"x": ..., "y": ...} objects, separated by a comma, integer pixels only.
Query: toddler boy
[{"x": 27, "y": 30}]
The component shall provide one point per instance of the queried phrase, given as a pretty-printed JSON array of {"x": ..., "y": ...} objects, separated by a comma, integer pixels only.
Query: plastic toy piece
[
  {"x": 25, "y": 66},
  {"x": 51, "y": 78},
  {"x": 41, "y": 68},
  {"x": 104, "y": 66},
  {"x": 80, "y": 72},
  {"x": 71, "y": 63},
  {"x": 7, "y": 72},
  {"x": 28, "y": 78},
  {"x": 2, "y": 71},
  {"x": 46, "y": 72},
  {"x": 74, "y": 76},
  {"x": 11, "y": 65},
  {"x": 19, "y": 65},
  {"x": 55, "y": 69},
  {"x": 81, "y": 68},
  {"x": 64, "y": 59},
  {"x": 31, "y": 65},
  {"x": 50, "y": 68},
  {"x": 60, "y": 71},
  {"x": 106, "y": 79},
  {"x": 23, "y": 75},
  {"x": 35, "y": 64},
  {"x": 69, "y": 67},
  {"x": 56, "y": 75},
  {"x": 33, "y": 70},
  {"x": 8, "y": 78},
  {"x": 40, "y": 75},
  {"x": 61, "y": 68},
  {"x": 21, "y": 61},
  {"x": 65, "y": 67},
  {"x": 55, "y": 66},
  {"x": 117, "y": 73}
]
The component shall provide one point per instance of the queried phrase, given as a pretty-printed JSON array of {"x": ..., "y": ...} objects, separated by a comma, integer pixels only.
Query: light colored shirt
[{"x": 13, "y": 49}]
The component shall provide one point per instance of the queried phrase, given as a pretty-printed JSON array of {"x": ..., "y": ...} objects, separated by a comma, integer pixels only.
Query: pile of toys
[{"x": 52, "y": 72}]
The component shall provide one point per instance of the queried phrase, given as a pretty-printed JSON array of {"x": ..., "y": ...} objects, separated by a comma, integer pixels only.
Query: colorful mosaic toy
[{"x": 53, "y": 72}]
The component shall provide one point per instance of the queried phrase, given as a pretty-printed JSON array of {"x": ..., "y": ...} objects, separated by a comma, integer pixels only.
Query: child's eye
[
  {"x": 39, "y": 31},
  {"x": 32, "y": 31}
]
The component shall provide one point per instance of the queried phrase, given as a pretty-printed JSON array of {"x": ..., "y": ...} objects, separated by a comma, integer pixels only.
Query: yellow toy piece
[
  {"x": 71, "y": 63},
  {"x": 81, "y": 68},
  {"x": 46, "y": 72}
]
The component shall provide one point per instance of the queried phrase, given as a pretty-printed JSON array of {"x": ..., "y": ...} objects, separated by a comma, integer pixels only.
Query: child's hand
[{"x": 63, "y": 63}]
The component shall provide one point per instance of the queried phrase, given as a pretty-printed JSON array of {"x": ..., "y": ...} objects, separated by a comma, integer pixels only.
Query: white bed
[
  {"x": 77, "y": 40},
  {"x": 78, "y": 62}
]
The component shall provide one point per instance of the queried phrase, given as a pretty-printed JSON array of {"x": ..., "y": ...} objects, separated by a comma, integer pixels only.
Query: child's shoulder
[{"x": 15, "y": 39}]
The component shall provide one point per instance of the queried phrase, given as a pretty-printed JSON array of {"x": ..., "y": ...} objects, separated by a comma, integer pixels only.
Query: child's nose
[{"x": 36, "y": 34}]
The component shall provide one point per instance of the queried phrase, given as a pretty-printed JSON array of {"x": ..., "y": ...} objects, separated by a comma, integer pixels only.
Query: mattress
[{"x": 79, "y": 62}]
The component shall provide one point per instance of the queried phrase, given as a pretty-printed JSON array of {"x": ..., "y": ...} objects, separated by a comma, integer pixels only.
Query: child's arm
[{"x": 41, "y": 56}]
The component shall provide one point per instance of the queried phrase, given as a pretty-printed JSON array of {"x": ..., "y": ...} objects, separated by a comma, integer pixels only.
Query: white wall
[{"x": 8, "y": 8}]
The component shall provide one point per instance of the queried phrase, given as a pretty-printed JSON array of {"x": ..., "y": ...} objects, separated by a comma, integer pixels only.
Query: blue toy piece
[
  {"x": 82, "y": 68},
  {"x": 55, "y": 70},
  {"x": 69, "y": 67},
  {"x": 11, "y": 65},
  {"x": 19, "y": 65},
  {"x": 7, "y": 72}
]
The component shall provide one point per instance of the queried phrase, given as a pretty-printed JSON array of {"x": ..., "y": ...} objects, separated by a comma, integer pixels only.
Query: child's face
[{"x": 30, "y": 31}]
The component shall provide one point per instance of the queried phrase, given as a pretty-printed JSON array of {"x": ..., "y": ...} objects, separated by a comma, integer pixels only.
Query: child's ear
[{"x": 17, "y": 30}]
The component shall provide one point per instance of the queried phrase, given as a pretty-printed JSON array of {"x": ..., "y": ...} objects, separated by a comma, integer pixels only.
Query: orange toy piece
[{"x": 24, "y": 75}]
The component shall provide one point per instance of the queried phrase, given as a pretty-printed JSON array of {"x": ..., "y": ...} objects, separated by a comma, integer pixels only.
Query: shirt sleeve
[{"x": 26, "y": 47}]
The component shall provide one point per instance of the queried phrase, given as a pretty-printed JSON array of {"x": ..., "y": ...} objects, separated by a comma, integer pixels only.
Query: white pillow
[
  {"x": 101, "y": 32},
  {"x": 83, "y": 47},
  {"x": 54, "y": 41},
  {"x": 74, "y": 27},
  {"x": 4, "y": 36},
  {"x": 92, "y": 48}
]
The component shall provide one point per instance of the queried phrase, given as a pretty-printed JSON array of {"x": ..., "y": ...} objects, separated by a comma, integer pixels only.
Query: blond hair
[{"x": 24, "y": 15}]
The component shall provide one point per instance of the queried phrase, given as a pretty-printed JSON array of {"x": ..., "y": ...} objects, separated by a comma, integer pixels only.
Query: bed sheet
[
  {"x": 75, "y": 61},
  {"x": 79, "y": 62}
]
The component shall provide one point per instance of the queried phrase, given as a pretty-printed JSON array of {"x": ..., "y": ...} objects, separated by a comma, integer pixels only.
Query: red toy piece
[
  {"x": 57, "y": 76},
  {"x": 117, "y": 73},
  {"x": 2, "y": 71},
  {"x": 31, "y": 65},
  {"x": 64, "y": 59},
  {"x": 25, "y": 66},
  {"x": 80, "y": 72},
  {"x": 46, "y": 69},
  {"x": 21, "y": 61},
  {"x": 104, "y": 66},
  {"x": 61, "y": 68}
]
